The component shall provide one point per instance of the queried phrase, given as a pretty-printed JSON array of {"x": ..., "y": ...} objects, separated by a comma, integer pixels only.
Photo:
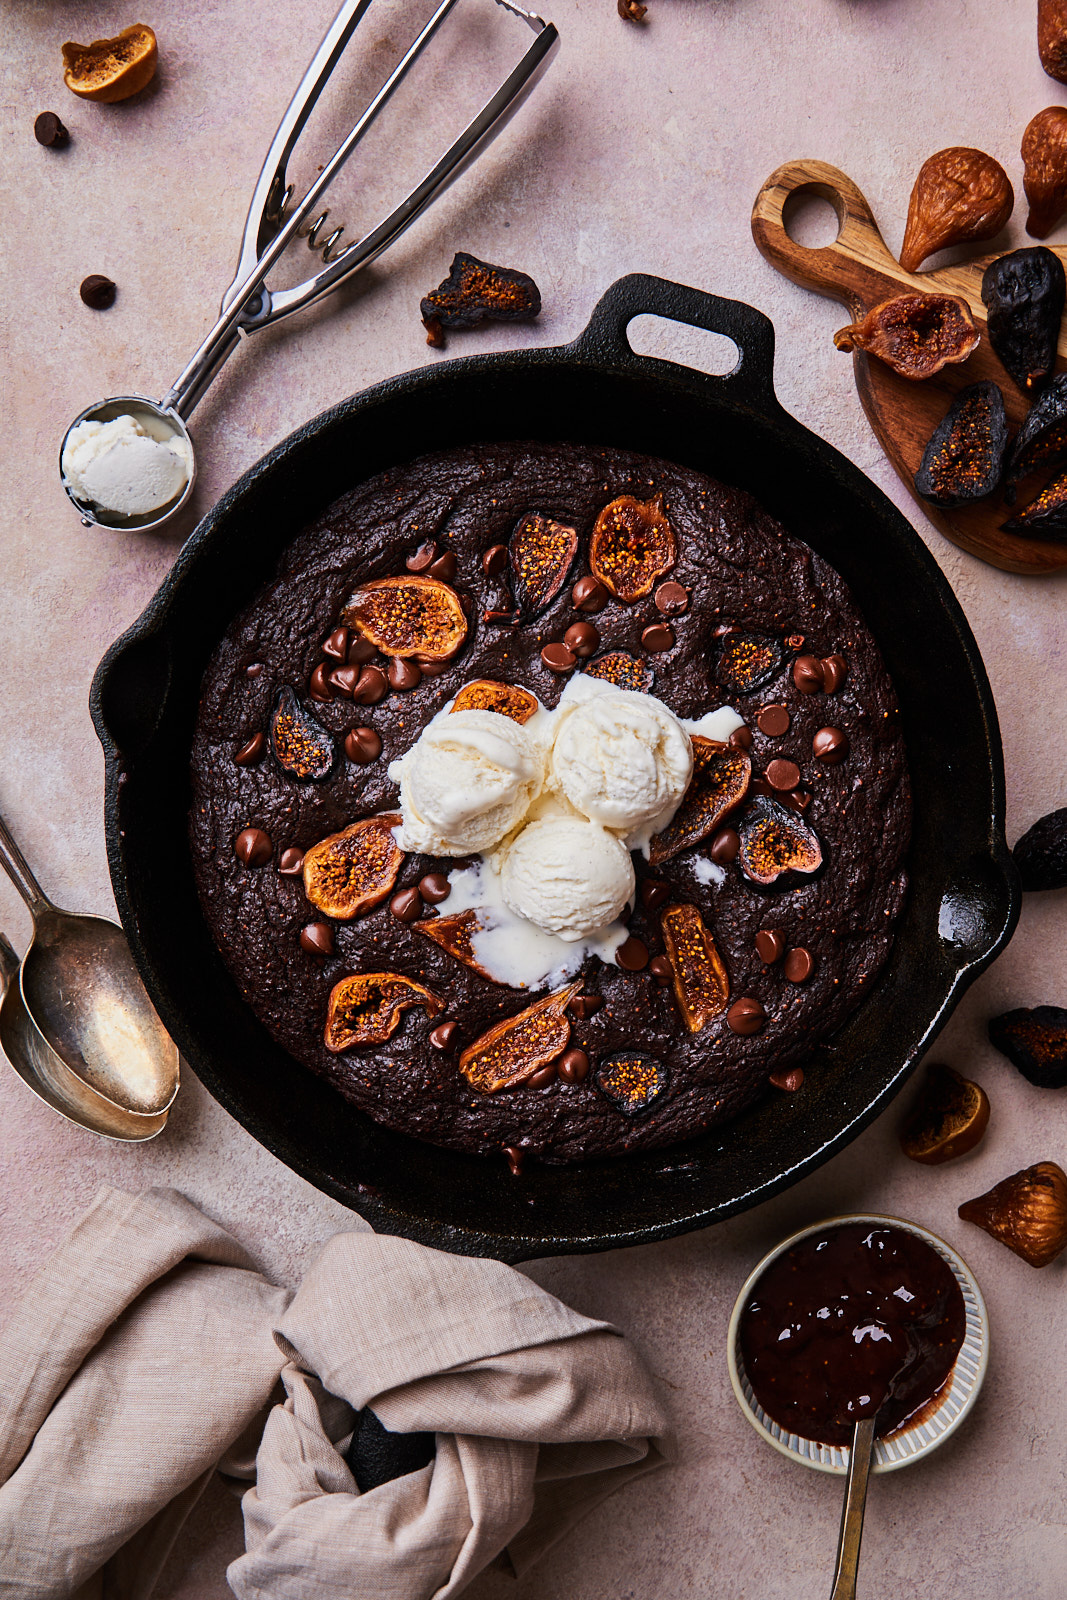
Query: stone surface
[{"x": 641, "y": 151}]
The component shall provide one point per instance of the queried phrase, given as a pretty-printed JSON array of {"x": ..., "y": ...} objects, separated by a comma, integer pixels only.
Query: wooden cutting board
[{"x": 858, "y": 270}]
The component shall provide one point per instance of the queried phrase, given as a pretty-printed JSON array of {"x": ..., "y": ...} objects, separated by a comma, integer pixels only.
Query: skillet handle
[
  {"x": 129, "y": 692},
  {"x": 751, "y": 381}
]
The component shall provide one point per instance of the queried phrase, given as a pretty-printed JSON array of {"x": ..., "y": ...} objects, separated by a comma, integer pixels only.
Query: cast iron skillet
[{"x": 963, "y": 903}]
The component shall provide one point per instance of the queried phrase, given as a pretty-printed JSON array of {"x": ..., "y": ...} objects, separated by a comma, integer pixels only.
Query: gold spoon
[{"x": 848, "y": 1543}]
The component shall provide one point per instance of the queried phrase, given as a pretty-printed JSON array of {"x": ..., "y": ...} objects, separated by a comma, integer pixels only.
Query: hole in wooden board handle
[{"x": 854, "y": 266}]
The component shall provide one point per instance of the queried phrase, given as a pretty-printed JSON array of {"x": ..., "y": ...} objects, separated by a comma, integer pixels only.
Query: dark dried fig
[
  {"x": 949, "y": 1118},
  {"x": 1046, "y": 515},
  {"x": 1042, "y": 439},
  {"x": 299, "y": 743},
  {"x": 622, "y": 670},
  {"x": 476, "y": 291},
  {"x": 454, "y": 934},
  {"x": 542, "y": 553},
  {"x": 1035, "y": 1041},
  {"x": 1041, "y": 853},
  {"x": 353, "y": 871},
  {"x": 1027, "y": 1212},
  {"x": 632, "y": 546},
  {"x": 965, "y": 455},
  {"x": 506, "y": 699},
  {"x": 776, "y": 845},
  {"x": 631, "y": 1082},
  {"x": 366, "y": 1009},
  {"x": 1024, "y": 293},
  {"x": 701, "y": 985},
  {"x": 514, "y": 1049},
  {"x": 915, "y": 334},
  {"x": 1044, "y": 153},
  {"x": 747, "y": 660},
  {"x": 409, "y": 616},
  {"x": 960, "y": 196},
  {"x": 719, "y": 783}
]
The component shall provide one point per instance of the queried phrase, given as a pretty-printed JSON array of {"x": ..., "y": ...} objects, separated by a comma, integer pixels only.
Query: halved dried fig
[
  {"x": 701, "y": 985},
  {"x": 632, "y": 545},
  {"x": 949, "y": 1118},
  {"x": 109, "y": 70},
  {"x": 747, "y": 660},
  {"x": 1042, "y": 439},
  {"x": 1034, "y": 1041},
  {"x": 506, "y": 699},
  {"x": 353, "y": 871},
  {"x": 776, "y": 844},
  {"x": 1027, "y": 1212},
  {"x": 964, "y": 457},
  {"x": 542, "y": 553},
  {"x": 299, "y": 743},
  {"x": 915, "y": 334},
  {"x": 1044, "y": 153},
  {"x": 1046, "y": 516},
  {"x": 512, "y": 1051},
  {"x": 367, "y": 1009},
  {"x": 408, "y": 616},
  {"x": 631, "y": 1082},
  {"x": 1041, "y": 853},
  {"x": 476, "y": 291},
  {"x": 622, "y": 670},
  {"x": 719, "y": 783},
  {"x": 455, "y": 934},
  {"x": 960, "y": 196}
]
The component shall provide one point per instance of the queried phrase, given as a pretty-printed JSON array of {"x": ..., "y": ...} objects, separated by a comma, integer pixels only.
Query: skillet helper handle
[{"x": 751, "y": 382}]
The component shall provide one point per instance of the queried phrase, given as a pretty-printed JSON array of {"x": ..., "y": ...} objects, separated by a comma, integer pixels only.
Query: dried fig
[
  {"x": 476, "y": 291},
  {"x": 632, "y": 546},
  {"x": 409, "y": 616},
  {"x": 719, "y": 783},
  {"x": 542, "y": 553},
  {"x": 454, "y": 934},
  {"x": 1024, "y": 292},
  {"x": 1044, "y": 153},
  {"x": 964, "y": 458},
  {"x": 1027, "y": 1212},
  {"x": 949, "y": 1118},
  {"x": 776, "y": 845},
  {"x": 109, "y": 70},
  {"x": 1046, "y": 515},
  {"x": 366, "y": 1009},
  {"x": 915, "y": 334},
  {"x": 1052, "y": 37},
  {"x": 514, "y": 1049},
  {"x": 506, "y": 699},
  {"x": 1041, "y": 853},
  {"x": 1035, "y": 1041},
  {"x": 353, "y": 871},
  {"x": 631, "y": 1082},
  {"x": 299, "y": 743},
  {"x": 701, "y": 985},
  {"x": 960, "y": 196},
  {"x": 622, "y": 670},
  {"x": 1042, "y": 439},
  {"x": 747, "y": 660}
]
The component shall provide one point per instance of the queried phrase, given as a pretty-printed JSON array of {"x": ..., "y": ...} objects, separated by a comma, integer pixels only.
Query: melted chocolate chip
[
  {"x": 672, "y": 599},
  {"x": 360, "y": 651},
  {"x": 769, "y": 946},
  {"x": 573, "y": 1066},
  {"x": 740, "y": 739},
  {"x": 403, "y": 674},
  {"x": 494, "y": 560},
  {"x": 725, "y": 846},
  {"x": 808, "y": 674},
  {"x": 661, "y": 969},
  {"x": 319, "y": 685},
  {"x": 442, "y": 1036},
  {"x": 97, "y": 292},
  {"x": 252, "y": 751},
  {"x": 582, "y": 638},
  {"x": 49, "y": 131},
  {"x": 422, "y": 557},
  {"x": 790, "y": 1081},
  {"x": 746, "y": 1015},
  {"x": 372, "y": 687},
  {"x": 344, "y": 680},
  {"x": 434, "y": 888},
  {"x": 336, "y": 646},
  {"x": 834, "y": 673},
  {"x": 583, "y": 1006},
  {"x": 407, "y": 905},
  {"x": 632, "y": 955},
  {"x": 514, "y": 1157},
  {"x": 544, "y": 1075},
  {"x": 558, "y": 658},
  {"x": 291, "y": 862},
  {"x": 445, "y": 567},
  {"x": 773, "y": 721},
  {"x": 253, "y": 847},
  {"x": 654, "y": 894},
  {"x": 589, "y": 595},
  {"x": 657, "y": 637},
  {"x": 317, "y": 939},
  {"x": 799, "y": 965},
  {"x": 830, "y": 745},
  {"x": 783, "y": 775},
  {"x": 362, "y": 745}
]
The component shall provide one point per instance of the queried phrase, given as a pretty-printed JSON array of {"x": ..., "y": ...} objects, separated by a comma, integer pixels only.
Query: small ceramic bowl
[{"x": 913, "y": 1439}]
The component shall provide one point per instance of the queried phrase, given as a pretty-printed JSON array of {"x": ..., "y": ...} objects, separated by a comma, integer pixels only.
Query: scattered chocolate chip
[
  {"x": 558, "y": 658},
  {"x": 671, "y": 599},
  {"x": 543, "y": 1076},
  {"x": 251, "y": 752},
  {"x": 773, "y": 721},
  {"x": 654, "y": 894},
  {"x": 1035, "y": 1041},
  {"x": 582, "y": 638},
  {"x": 830, "y": 745},
  {"x": 583, "y": 1006},
  {"x": 589, "y": 595},
  {"x": 49, "y": 131},
  {"x": 344, "y": 679},
  {"x": 790, "y": 1081},
  {"x": 661, "y": 969},
  {"x": 317, "y": 939},
  {"x": 253, "y": 847},
  {"x": 740, "y": 739},
  {"x": 434, "y": 888},
  {"x": 407, "y": 905},
  {"x": 657, "y": 637},
  {"x": 573, "y": 1065},
  {"x": 97, "y": 291},
  {"x": 783, "y": 775},
  {"x": 834, "y": 673},
  {"x": 1041, "y": 853},
  {"x": 291, "y": 862},
  {"x": 632, "y": 955},
  {"x": 362, "y": 745},
  {"x": 512, "y": 1153},
  {"x": 420, "y": 560},
  {"x": 253, "y": 669},
  {"x": 319, "y": 684},
  {"x": 336, "y": 646},
  {"x": 445, "y": 567},
  {"x": 403, "y": 674},
  {"x": 442, "y": 1036},
  {"x": 494, "y": 560},
  {"x": 372, "y": 687},
  {"x": 360, "y": 651},
  {"x": 746, "y": 1015},
  {"x": 808, "y": 674},
  {"x": 769, "y": 946},
  {"x": 799, "y": 965},
  {"x": 725, "y": 846}
]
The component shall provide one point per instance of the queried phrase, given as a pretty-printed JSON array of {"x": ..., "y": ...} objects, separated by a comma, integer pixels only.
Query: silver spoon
[
  {"x": 83, "y": 996},
  {"x": 848, "y": 1544}
]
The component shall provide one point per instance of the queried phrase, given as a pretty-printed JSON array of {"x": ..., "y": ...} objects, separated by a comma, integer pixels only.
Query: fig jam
[{"x": 853, "y": 1322}]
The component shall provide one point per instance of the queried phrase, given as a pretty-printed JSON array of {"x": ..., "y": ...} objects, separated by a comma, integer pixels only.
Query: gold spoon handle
[
  {"x": 848, "y": 1544},
  {"x": 14, "y": 864}
]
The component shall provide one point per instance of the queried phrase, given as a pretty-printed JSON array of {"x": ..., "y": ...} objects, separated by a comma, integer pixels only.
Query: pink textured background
[{"x": 642, "y": 150}]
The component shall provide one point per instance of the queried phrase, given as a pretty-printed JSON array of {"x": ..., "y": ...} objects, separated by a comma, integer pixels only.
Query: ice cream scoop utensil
[
  {"x": 275, "y": 219},
  {"x": 85, "y": 1001},
  {"x": 848, "y": 1544}
]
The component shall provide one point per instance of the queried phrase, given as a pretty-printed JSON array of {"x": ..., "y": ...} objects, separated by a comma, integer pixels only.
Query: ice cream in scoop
[{"x": 122, "y": 469}]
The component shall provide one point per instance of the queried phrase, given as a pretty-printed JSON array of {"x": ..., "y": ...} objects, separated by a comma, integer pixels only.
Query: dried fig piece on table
[
  {"x": 542, "y": 553},
  {"x": 949, "y": 1118},
  {"x": 915, "y": 334},
  {"x": 1044, "y": 153},
  {"x": 367, "y": 1008},
  {"x": 622, "y": 670},
  {"x": 109, "y": 70},
  {"x": 1034, "y": 1041},
  {"x": 1027, "y": 1212},
  {"x": 720, "y": 780},
  {"x": 454, "y": 934},
  {"x": 960, "y": 196},
  {"x": 1024, "y": 293},
  {"x": 776, "y": 844},
  {"x": 514, "y": 1049},
  {"x": 1052, "y": 37},
  {"x": 632, "y": 546},
  {"x": 476, "y": 291},
  {"x": 506, "y": 699},
  {"x": 631, "y": 1082},
  {"x": 1046, "y": 516},
  {"x": 353, "y": 871},
  {"x": 1042, "y": 439},
  {"x": 964, "y": 458},
  {"x": 745, "y": 661},
  {"x": 299, "y": 743},
  {"x": 1041, "y": 853},
  {"x": 701, "y": 985},
  {"x": 409, "y": 616}
]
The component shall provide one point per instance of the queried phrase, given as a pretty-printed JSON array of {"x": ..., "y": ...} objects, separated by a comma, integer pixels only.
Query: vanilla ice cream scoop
[
  {"x": 466, "y": 782},
  {"x": 567, "y": 875},
  {"x": 122, "y": 469},
  {"x": 623, "y": 760}
]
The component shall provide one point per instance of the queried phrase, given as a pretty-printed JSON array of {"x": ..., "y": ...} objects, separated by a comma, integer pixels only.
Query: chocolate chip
[
  {"x": 654, "y": 894},
  {"x": 773, "y": 721},
  {"x": 632, "y": 955},
  {"x": 661, "y": 969},
  {"x": 344, "y": 679},
  {"x": 725, "y": 846},
  {"x": 372, "y": 687},
  {"x": 783, "y": 775},
  {"x": 441, "y": 1037},
  {"x": 558, "y": 658},
  {"x": 799, "y": 965},
  {"x": 657, "y": 637},
  {"x": 445, "y": 567},
  {"x": 830, "y": 745},
  {"x": 407, "y": 905},
  {"x": 790, "y": 1081},
  {"x": 582, "y": 638},
  {"x": 432, "y": 669},
  {"x": 494, "y": 560},
  {"x": 740, "y": 739},
  {"x": 544, "y": 1075},
  {"x": 834, "y": 673},
  {"x": 97, "y": 291},
  {"x": 589, "y": 595},
  {"x": 362, "y": 745},
  {"x": 672, "y": 599},
  {"x": 291, "y": 862},
  {"x": 422, "y": 557},
  {"x": 49, "y": 131},
  {"x": 800, "y": 799},
  {"x": 336, "y": 646},
  {"x": 434, "y": 888},
  {"x": 317, "y": 939},
  {"x": 583, "y": 1006},
  {"x": 319, "y": 684},
  {"x": 573, "y": 1065},
  {"x": 746, "y": 1015},
  {"x": 253, "y": 669},
  {"x": 512, "y": 1153},
  {"x": 403, "y": 674},
  {"x": 253, "y": 847},
  {"x": 769, "y": 946},
  {"x": 251, "y": 752},
  {"x": 808, "y": 674},
  {"x": 360, "y": 651}
]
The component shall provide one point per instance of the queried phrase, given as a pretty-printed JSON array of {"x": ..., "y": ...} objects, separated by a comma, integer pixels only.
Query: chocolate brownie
[{"x": 746, "y": 616}]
